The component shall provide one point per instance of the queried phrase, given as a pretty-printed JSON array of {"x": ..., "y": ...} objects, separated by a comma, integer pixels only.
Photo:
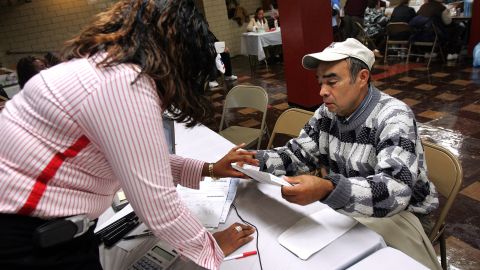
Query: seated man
[{"x": 367, "y": 146}]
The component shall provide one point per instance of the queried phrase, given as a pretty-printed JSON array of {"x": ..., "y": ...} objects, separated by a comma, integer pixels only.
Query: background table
[
  {"x": 263, "y": 206},
  {"x": 252, "y": 43}
]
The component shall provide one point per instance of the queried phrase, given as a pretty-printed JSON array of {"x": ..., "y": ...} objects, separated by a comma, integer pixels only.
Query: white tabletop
[
  {"x": 263, "y": 206},
  {"x": 252, "y": 43},
  {"x": 390, "y": 259}
]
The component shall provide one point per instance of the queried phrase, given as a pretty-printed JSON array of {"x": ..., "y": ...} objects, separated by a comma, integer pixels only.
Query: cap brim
[{"x": 311, "y": 61}]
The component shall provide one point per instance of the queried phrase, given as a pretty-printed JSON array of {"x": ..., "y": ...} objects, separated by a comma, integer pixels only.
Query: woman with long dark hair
[{"x": 92, "y": 124}]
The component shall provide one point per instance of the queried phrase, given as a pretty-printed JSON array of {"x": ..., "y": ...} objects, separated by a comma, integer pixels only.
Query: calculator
[{"x": 159, "y": 257}]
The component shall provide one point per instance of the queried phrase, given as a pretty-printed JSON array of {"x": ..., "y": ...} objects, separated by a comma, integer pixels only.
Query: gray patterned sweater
[{"x": 375, "y": 158}]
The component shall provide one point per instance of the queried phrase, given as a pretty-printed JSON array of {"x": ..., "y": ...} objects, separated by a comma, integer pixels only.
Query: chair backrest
[
  {"x": 290, "y": 122},
  {"x": 397, "y": 27},
  {"x": 445, "y": 172},
  {"x": 247, "y": 96},
  {"x": 361, "y": 35}
]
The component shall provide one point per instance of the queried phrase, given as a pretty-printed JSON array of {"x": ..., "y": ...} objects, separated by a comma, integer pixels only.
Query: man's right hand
[
  {"x": 306, "y": 189},
  {"x": 231, "y": 239}
]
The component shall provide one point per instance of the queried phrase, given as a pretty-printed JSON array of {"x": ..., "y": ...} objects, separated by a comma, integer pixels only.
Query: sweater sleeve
[
  {"x": 389, "y": 189},
  {"x": 124, "y": 121},
  {"x": 301, "y": 154}
]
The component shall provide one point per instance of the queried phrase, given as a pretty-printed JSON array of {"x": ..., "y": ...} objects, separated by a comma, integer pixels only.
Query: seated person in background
[
  {"x": 236, "y": 12},
  {"x": 258, "y": 23},
  {"x": 368, "y": 149},
  {"x": 374, "y": 25},
  {"x": 449, "y": 32},
  {"x": 27, "y": 67},
  {"x": 225, "y": 56},
  {"x": 402, "y": 12},
  {"x": 52, "y": 59}
]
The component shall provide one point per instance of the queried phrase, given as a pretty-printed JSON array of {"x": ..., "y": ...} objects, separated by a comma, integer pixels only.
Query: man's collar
[{"x": 360, "y": 109}]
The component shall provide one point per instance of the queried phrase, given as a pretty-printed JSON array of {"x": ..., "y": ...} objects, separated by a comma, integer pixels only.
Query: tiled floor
[{"x": 445, "y": 99}]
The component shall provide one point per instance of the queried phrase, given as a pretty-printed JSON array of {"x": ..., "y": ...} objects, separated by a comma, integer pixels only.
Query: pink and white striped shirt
[{"x": 77, "y": 133}]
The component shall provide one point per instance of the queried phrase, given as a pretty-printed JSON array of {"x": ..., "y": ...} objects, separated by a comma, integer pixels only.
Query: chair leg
[
  {"x": 430, "y": 58},
  {"x": 443, "y": 251},
  {"x": 386, "y": 52},
  {"x": 409, "y": 50},
  {"x": 252, "y": 60}
]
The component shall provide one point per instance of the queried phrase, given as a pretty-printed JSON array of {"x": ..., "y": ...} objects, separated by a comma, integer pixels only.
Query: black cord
[{"x": 256, "y": 229}]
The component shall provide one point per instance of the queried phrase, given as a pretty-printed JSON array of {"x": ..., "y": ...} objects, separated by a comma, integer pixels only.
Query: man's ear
[{"x": 363, "y": 77}]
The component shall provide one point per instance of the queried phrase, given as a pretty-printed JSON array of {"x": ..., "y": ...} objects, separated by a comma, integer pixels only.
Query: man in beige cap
[{"x": 367, "y": 146}]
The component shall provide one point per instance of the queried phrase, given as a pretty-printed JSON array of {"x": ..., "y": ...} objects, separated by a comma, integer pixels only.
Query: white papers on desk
[
  {"x": 262, "y": 177},
  {"x": 211, "y": 203},
  {"x": 314, "y": 232}
]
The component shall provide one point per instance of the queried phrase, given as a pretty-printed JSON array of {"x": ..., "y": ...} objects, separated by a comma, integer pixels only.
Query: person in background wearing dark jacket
[
  {"x": 449, "y": 31},
  {"x": 354, "y": 12},
  {"x": 374, "y": 26},
  {"x": 402, "y": 12}
]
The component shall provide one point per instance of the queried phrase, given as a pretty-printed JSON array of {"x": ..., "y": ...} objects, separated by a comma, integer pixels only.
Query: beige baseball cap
[{"x": 338, "y": 51}]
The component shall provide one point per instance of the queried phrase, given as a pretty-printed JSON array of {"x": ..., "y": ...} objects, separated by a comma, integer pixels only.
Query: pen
[
  {"x": 135, "y": 236},
  {"x": 241, "y": 255}
]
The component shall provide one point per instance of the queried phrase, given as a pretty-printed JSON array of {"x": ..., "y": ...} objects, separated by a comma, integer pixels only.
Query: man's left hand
[{"x": 306, "y": 189}]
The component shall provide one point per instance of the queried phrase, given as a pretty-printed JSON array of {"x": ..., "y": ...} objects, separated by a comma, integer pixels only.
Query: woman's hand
[
  {"x": 223, "y": 167},
  {"x": 233, "y": 237}
]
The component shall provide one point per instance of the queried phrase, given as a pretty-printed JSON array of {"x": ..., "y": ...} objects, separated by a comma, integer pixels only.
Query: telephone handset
[{"x": 159, "y": 257}]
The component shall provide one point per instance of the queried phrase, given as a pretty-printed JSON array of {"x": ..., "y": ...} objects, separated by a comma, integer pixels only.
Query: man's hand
[
  {"x": 232, "y": 238},
  {"x": 306, "y": 189}
]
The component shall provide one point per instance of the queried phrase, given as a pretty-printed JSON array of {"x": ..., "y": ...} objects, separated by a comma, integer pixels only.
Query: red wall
[{"x": 306, "y": 28}]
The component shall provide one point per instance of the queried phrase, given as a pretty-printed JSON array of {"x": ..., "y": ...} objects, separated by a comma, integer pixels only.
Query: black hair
[
  {"x": 26, "y": 69},
  {"x": 356, "y": 65},
  {"x": 168, "y": 39}
]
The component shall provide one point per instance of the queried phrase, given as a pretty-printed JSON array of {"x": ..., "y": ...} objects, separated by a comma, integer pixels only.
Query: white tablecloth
[
  {"x": 263, "y": 206},
  {"x": 253, "y": 43}
]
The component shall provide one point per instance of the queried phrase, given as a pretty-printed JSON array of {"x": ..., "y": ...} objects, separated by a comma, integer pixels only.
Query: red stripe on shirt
[{"x": 49, "y": 172}]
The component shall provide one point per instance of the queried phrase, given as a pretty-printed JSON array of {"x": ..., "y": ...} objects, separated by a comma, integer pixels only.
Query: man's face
[{"x": 340, "y": 95}]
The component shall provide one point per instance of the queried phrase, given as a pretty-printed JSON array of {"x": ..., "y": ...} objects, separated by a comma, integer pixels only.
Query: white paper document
[
  {"x": 207, "y": 207},
  {"x": 262, "y": 177},
  {"x": 225, "y": 187},
  {"x": 314, "y": 232},
  {"x": 219, "y": 46}
]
